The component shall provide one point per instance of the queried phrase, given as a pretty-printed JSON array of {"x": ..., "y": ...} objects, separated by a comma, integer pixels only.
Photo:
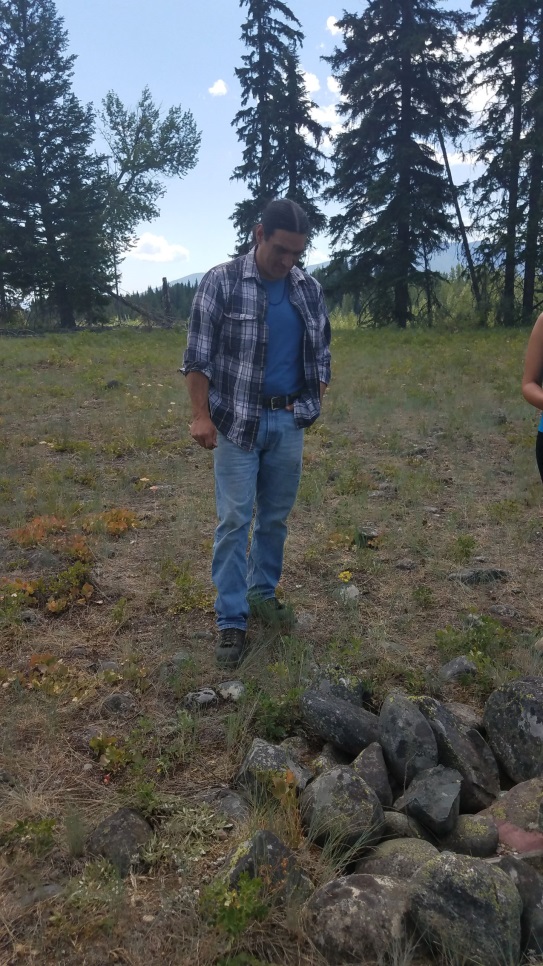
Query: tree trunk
[
  {"x": 402, "y": 307},
  {"x": 535, "y": 176},
  {"x": 506, "y": 310}
]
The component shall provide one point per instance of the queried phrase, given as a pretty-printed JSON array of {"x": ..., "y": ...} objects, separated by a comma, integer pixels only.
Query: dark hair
[{"x": 284, "y": 214}]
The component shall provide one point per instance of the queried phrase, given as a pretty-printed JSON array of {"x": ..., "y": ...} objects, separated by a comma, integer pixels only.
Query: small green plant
[
  {"x": 424, "y": 597},
  {"x": 463, "y": 547},
  {"x": 233, "y": 909},
  {"x": 75, "y": 834},
  {"x": 484, "y": 635},
  {"x": 33, "y": 836},
  {"x": 112, "y": 756},
  {"x": 275, "y": 717}
]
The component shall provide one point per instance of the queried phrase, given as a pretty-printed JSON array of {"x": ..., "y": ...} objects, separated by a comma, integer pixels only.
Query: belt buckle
[{"x": 273, "y": 401}]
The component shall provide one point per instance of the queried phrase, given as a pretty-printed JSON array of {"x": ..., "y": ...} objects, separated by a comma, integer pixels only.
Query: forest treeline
[{"x": 406, "y": 72}]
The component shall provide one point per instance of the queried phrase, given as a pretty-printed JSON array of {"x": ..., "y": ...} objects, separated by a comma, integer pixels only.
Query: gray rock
[
  {"x": 349, "y": 593},
  {"x": 340, "y": 806},
  {"x": 6, "y": 778},
  {"x": 513, "y": 719},
  {"x": 264, "y": 856},
  {"x": 406, "y": 564},
  {"x": 475, "y": 835},
  {"x": 109, "y": 666},
  {"x": 118, "y": 704},
  {"x": 433, "y": 799},
  {"x": 228, "y": 802},
  {"x": 464, "y": 905},
  {"x": 530, "y": 888},
  {"x": 407, "y": 739},
  {"x": 264, "y": 762},
  {"x": 399, "y": 858},
  {"x": 468, "y": 716},
  {"x": 357, "y": 918},
  {"x": 231, "y": 690},
  {"x": 329, "y": 757},
  {"x": 370, "y": 765},
  {"x": 521, "y": 806},
  {"x": 366, "y": 536},
  {"x": 503, "y": 610},
  {"x": 42, "y": 893},
  {"x": 464, "y": 749},
  {"x": 203, "y": 698},
  {"x": 120, "y": 838},
  {"x": 459, "y": 667},
  {"x": 340, "y": 722},
  {"x": 398, "y": 825},
  {"x": 354, "y": 692},
  {"x": 481, "y": 575}
]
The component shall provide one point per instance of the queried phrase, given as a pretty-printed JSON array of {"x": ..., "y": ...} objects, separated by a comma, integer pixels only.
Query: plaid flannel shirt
[{"x": 228, "y": 340}]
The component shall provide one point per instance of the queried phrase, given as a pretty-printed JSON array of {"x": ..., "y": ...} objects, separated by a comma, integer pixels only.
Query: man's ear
[{"x": 259, "y": 234}]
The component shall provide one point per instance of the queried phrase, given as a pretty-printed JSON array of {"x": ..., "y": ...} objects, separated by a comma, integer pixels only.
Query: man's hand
[{"x": 203, "y": 431}]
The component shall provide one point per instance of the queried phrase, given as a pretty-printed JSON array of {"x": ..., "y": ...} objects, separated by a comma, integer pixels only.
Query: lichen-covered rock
[
  {"x": 465, "y": 906},
  {"x": 399, "y": 858},
  {"x": 370, "y": 765},
  {"x": 513, "y": 719},
  {"x": 120, "y": 839},
  {"x": 433, "y": 799},
  {"x": 468, "y": 716},
  {"x": 338, "y": 721},
  {"x": 226, "y": 801},
  {"x": 467, "y": 751},
  {"x": 521, "y": 806},
  {"x": 408, "y": 742},
  {"x": 530, "y": 888},
  {"x": 396, "y": 825},
  {"x": 340, "y": 806},
  {"x": 328, "y": 757},
  {"x": 475, "y": 835},
  {"x": 357, "y": 918},
  {"x": 354, "y": 692},
  {"x": 458, "y": 668},
  {"x": 264, "y": 856},
  {"x": 264, "y": 762}
]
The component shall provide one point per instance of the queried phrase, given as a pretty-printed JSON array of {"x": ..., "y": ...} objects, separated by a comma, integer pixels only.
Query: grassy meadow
[{"x": 106, "y": 525}]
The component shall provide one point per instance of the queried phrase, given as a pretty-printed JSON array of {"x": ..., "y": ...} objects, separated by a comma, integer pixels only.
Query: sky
[{"x": 186, "y": 52}]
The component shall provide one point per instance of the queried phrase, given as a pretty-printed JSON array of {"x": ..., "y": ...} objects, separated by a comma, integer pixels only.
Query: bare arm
[
  {"x": 201, "y": 427},
  {"x": 533, "y": 366}
]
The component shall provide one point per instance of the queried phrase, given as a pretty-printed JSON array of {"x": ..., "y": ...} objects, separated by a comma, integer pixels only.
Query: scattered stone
[
  {"x": 114, "y": 384},
  {"x": 406, "y": 564},
  {"x": 231, "y": 690},
  {"x": 201, "y": 636},
  {"x": 305, "y": 620},
  {"x": 434, "y": 510},
  {"x": 41, "y": 894},
  {"x": 6, "y": 778},
  {"x": 180, "y": 658},
  {"x": 399, "y": 858},
  {"x": 264, "y": 856},
  {"x": 227, "y": 802},
  {"x": 459, "y": 667},
  {"x": 297, "y": 746},
  {"x": 329, "y": 757},
  {"x": 407, "y": 739},
  {"x": 366, "y": 536},
  {"x": 120, "y": 703},
  {"x": 520, "y": 807},
  {"x": 357, "y": 918},
  {"x": 109, "y": 666},
  {"x": 349, "y": 593},
  {"x": 464, "y": 749},
  {"x": 340, "y": 806},
  {"x": 264, "y": 762},
  {"x": 482, "y": 575},
  {"x": 475, "y": 835},
  {"x": 433, "y": 799},
  {"x": 464, "y": 904},
  {"x": 503, "y": 610},
  {"x": 338, "y": 721},
  {"x": 501, "y": 417},
  {"x": 513, "y": 719},
  {"x": 202, "y": 698},
  {"x": 29, "y": 616},
  {"x": 530, "y": 888},
  {"x": 120, "y": 839},
  {"x": 370, "y": 765}
]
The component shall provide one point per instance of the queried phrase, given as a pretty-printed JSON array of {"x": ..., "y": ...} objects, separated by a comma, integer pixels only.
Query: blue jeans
[{"x": 268, "y": 476}]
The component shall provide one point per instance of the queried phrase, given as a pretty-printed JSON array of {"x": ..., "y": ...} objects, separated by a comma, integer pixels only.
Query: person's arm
[
  {"x": 323, "y": 353},
  {"x": 533, "y": 367},
  {"x": 201, "y": 428}
]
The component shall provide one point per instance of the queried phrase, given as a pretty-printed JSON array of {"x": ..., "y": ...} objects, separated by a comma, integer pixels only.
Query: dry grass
[{"x": 424, "y": 436}]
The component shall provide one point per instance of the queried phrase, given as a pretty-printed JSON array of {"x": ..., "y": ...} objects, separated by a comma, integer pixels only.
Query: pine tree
[
  {"x": 400, "y": 75},
  {"x": 52, "y": 189},
  {"x": 282, "y": 154}
]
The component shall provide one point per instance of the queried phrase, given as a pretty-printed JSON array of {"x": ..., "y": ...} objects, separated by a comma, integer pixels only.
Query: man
[{"x": 257, "y": 365}]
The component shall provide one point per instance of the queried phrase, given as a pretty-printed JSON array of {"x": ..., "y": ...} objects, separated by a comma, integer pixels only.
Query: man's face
[{"x": 276, "y": 255}]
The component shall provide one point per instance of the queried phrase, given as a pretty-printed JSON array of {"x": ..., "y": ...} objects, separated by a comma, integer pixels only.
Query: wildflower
[{"x": 345, "y": 576}]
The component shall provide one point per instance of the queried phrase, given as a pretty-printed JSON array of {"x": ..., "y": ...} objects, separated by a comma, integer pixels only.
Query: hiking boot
[
  {"x": 231, "y": 647},
  {"x": 272, "y": 611}
]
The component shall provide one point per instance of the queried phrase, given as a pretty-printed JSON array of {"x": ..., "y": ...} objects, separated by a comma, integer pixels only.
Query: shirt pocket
[{"x": 239, "y": 334}]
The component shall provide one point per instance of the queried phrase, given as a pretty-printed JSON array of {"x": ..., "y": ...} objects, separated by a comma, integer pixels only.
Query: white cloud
[
  {"x": 155, "y": 248},
  {"x": 311, "y": 82},
  {"x": 331, "y": 25},
  {"x": 333, "y": 85},
  {"x": 218, "y": 89}
]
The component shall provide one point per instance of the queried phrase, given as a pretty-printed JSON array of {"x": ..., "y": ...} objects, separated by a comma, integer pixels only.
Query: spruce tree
[
  {"x": 282, "y": 154},
  {"x": 400, "y": 75},
  {"x": 52, "y": 188}
]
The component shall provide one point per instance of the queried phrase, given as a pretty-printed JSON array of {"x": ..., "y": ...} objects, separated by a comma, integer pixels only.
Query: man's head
[{"x": 281, "y": 238}]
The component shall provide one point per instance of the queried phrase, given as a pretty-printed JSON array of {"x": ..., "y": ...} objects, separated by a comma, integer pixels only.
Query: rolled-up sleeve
[{"x": 204, "y": 321}]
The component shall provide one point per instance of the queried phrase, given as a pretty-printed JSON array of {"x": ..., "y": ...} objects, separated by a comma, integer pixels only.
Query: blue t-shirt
[
  {"x": 284, "y": 372},
  {"x": 540, "y": 427}
]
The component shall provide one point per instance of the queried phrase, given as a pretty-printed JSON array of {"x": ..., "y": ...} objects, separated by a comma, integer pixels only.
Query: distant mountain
[{"x": 198, "y": 276}]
